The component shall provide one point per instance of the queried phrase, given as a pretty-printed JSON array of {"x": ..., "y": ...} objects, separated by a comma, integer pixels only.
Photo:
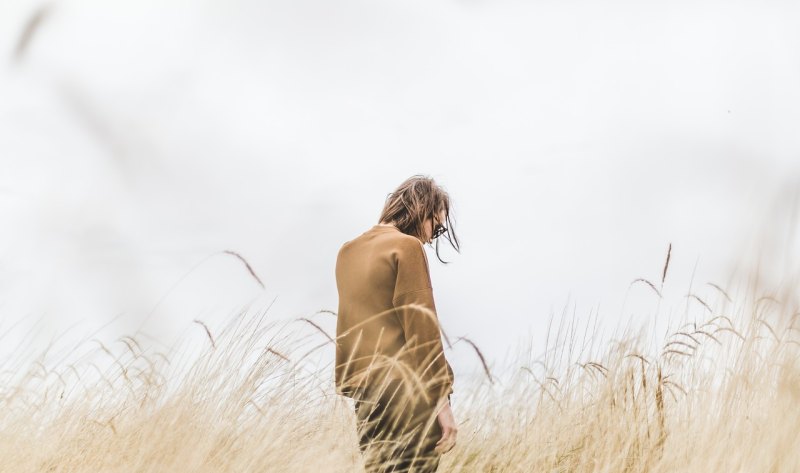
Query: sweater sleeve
[{"x": 415, "y": 308}]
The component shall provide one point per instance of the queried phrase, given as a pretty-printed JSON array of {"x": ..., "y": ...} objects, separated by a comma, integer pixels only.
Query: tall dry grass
[{"x": 718, "y": 393}]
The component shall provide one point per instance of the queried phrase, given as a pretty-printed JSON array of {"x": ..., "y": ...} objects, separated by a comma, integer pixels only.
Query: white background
[{"x": 577, "y": 139}]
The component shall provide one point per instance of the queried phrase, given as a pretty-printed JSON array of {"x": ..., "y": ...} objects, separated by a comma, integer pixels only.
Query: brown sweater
[{"x": 387, "y": 322}]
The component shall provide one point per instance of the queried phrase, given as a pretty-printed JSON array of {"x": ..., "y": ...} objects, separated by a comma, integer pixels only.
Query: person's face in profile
[{"x": 429, "y": 226}]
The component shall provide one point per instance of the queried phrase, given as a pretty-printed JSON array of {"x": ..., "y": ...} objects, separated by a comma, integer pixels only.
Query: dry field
[{"x": 719, "y": 394}]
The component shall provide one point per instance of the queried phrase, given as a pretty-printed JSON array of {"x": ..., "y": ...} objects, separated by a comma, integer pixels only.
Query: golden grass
[{"x": 719, "y": 393}]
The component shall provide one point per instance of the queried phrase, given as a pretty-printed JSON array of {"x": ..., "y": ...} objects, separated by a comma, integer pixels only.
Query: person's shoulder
[
  {"x": 406, "y": 246},
  {"x": 398, "y": 241},
  {"x": 344, "y": 247},
  {"x": 405, "y": 240},
  {"x": 353, "y": 244}
]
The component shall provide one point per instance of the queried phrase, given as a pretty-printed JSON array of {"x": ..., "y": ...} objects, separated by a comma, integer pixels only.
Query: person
[{"x": 389, "y": 353}]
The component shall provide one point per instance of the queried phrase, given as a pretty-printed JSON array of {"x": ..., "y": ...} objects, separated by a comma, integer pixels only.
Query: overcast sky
[{"x": 577, "y": 139}]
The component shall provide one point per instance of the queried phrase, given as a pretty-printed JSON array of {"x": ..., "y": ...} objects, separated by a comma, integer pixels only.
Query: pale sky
[{"x": 577, "y": 139}]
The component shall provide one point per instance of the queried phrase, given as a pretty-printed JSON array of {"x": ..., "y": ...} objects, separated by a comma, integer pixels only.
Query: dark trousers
[{"x": 397, "y": 433}]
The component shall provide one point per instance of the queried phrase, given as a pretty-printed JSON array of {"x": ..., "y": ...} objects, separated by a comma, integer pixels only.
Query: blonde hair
[{"x": 418, "y": 198}]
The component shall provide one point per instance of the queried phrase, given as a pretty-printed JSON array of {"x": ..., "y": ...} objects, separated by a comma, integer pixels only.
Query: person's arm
[{"x": 415, "y": 308}]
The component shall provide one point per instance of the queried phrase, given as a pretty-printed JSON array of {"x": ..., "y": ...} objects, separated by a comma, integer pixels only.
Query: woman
[{"x": 389, "y": 353}]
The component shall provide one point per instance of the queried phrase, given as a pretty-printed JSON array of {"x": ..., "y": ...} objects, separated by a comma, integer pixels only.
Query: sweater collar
[{"x": 383, "y": 228}]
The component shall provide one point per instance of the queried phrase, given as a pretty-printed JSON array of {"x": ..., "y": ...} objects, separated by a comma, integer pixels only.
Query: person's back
[{"x": 385, "y": 298}]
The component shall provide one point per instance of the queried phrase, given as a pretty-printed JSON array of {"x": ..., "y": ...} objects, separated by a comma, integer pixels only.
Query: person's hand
[{"x": 449, "y": 429}]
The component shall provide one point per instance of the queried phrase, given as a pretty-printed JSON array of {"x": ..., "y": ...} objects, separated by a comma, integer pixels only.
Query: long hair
[{"x": 416, "y": 199}]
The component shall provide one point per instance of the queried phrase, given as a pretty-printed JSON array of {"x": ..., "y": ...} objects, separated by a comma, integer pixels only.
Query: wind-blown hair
[{"x": 418, "y": 198}]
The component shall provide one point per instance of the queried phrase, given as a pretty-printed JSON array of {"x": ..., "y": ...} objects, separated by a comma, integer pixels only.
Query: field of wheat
[{"x": 717, "y": 393}]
